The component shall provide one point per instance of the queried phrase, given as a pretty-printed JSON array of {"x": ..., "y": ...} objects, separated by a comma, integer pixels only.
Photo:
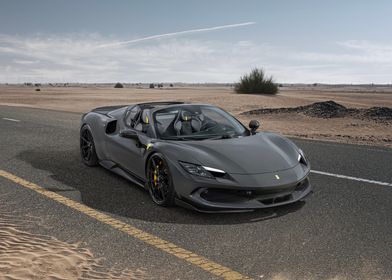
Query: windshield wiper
[
  {"x": 201, "y": 137},
  {"x": 185, "y": 138},
  {"x": 174, "y": 138},
  {"x": 223, "y": 136}
]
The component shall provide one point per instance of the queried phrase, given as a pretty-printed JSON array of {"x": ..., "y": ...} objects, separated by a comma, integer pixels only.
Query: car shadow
[{"x": 105, "y": 191}]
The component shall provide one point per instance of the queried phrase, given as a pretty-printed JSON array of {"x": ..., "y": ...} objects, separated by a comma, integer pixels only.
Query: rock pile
[{"x": 330, "y": 109}]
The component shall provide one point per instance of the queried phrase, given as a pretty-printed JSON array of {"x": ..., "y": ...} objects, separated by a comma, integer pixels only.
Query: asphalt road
[{"x": 343, "y": 230}]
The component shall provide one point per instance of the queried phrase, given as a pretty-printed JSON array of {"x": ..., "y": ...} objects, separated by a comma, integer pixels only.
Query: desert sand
[
  {"x": 24, "y": 255},
  {"x": 346, "y": 129}
]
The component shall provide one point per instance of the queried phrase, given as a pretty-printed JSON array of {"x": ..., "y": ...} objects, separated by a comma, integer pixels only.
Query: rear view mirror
[
  {"x": 130, "y": 134},
  {"x": 254, "y": 125}
]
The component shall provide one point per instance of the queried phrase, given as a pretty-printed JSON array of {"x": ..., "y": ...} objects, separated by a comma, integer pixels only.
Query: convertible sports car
[{"x": 195, "y": 155}]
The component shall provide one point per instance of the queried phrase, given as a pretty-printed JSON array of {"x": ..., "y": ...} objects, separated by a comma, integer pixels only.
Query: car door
[{"x": 126, "y": 152}]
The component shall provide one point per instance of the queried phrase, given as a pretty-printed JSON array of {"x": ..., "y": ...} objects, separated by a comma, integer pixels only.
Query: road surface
[{"x": 343, "y": 230}]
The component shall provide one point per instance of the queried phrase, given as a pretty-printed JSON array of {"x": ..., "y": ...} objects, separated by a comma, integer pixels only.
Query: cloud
[
  {"x": 75, "y": 58},
  {"x": 165, "y": 35},
  {"x": 351, "y": 52},
  {"x": 25, "y": 62}
]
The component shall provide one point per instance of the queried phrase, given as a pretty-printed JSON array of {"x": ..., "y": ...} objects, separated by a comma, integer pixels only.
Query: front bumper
[
  {"x": 220, "y": 200},
  {"x": 241, "y": 192}
]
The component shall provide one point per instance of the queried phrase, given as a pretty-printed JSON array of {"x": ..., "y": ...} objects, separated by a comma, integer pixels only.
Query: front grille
[
  {"x": 266, "y": 196},
  {"x": 276, "y": 200},
  {"x": 226, "y": 196}
]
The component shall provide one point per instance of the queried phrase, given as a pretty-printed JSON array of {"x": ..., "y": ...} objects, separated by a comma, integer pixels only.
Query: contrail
[{"x": 177, "y": 33}]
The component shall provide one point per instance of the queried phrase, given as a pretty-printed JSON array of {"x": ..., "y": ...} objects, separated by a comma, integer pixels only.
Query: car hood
[{"x": 260, "y": 153}]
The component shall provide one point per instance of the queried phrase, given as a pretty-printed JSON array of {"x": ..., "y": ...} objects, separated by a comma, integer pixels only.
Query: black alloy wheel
[
  {"x": 160, "y": 185},
  {"x": 87, "y": 147}
]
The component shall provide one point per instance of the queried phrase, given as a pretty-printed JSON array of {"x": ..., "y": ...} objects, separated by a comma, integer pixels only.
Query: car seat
[
  {"x": 144, "y": 122},
  {"x": 183, "y": 123}
]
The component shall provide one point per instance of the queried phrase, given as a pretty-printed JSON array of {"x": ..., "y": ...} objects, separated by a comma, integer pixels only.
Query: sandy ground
[
  {"x": 24, "y": 255},
  {"x": 347, "y": 129}
]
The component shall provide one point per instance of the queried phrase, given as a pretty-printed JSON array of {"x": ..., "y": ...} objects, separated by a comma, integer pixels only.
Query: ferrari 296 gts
[{"x": 195, "y": 155}]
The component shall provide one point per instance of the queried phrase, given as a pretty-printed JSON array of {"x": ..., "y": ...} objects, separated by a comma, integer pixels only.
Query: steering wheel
[{"x": 208, "y": 126}]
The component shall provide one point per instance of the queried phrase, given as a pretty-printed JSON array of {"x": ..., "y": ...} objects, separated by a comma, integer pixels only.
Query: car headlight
[
  {"x": 301, "y": 157},
  {"x": 202, "y": 171}
]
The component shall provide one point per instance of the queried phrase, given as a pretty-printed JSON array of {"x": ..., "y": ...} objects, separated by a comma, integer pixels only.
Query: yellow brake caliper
[{"x": 155, "y": 178}]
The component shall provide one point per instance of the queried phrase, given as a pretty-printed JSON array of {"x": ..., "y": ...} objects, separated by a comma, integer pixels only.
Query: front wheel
[
  {"x": 87, "y": 147},
  {"x": 160, "y": 184}
]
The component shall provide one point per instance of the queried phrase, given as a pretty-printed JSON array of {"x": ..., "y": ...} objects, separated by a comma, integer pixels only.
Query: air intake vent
[{"x": 111, "y": 127}]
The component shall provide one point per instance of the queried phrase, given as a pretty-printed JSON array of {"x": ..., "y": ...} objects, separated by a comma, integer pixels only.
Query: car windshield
[{"x": 196, "y": 122}]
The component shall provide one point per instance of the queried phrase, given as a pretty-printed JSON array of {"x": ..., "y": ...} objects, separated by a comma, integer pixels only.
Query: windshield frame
[{"x": 224, "y": 113}]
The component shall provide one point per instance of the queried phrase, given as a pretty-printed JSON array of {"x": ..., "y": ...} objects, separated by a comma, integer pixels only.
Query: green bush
[
  {"x": 256, "y": 82},
  {"x": 118, "y": 85}
]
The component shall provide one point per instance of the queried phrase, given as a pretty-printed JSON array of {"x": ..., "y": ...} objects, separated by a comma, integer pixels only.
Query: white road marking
[
  {"x": 12, "y": 120},
  {"x": 352, "y": 178},
  {"x": 347, "y": 145}
]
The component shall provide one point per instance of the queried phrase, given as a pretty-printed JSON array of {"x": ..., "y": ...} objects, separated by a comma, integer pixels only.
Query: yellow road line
[{"x": 168, "y": 247}]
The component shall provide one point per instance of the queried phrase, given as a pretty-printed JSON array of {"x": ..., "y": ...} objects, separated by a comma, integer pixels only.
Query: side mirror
[
  {"x": 254, "y": 125},
  {"x": 130, "y": 134}
]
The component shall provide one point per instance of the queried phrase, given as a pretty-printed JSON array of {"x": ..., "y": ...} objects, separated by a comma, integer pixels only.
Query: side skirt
[{"x": 114, "y": 167}]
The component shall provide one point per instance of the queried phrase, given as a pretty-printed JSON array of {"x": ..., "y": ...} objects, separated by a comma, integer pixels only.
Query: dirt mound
[
  {"x": 378, "y": 113},
  {"x": 327, "y": 109},
  {"x": 330, "y": 109}
]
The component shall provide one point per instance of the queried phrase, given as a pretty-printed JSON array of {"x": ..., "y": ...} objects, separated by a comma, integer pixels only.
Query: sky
[{"x": 97, "y": 41}]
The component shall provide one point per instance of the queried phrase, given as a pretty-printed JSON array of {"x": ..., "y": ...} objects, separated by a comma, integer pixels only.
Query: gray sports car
[{"x": 195, "y": 155}]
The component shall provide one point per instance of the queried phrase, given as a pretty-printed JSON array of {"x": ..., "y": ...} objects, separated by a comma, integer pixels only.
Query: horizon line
[{"x": 192, "y": 83}]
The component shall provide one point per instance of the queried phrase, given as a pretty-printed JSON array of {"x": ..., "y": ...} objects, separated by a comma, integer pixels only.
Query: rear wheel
[
  {"x": 87, "y": 147},
  {"x": 160, "y": 185}
]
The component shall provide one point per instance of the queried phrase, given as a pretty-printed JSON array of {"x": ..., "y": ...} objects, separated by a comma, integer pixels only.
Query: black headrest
[
  {"x": 185, "y": 116},
  {"x": 144, "y": 118}
]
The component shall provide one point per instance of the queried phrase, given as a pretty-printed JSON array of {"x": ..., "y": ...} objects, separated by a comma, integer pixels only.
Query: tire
[
  {"x": 159, "y": 181},
  {"x": 87, "y": 147}
]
